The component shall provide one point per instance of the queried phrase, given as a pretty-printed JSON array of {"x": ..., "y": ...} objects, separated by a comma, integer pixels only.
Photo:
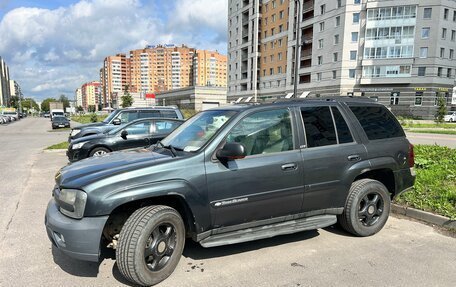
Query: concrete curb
[
  {"x": 424, "y": 216},
  {"x": 54, "y": 150}
]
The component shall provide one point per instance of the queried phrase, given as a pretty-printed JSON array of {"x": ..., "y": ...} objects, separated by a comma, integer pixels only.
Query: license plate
[{"x": 61, "y": 126}]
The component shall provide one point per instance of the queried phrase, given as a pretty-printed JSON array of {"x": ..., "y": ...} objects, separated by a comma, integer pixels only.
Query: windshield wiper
[{"x": 172, "y": 149}]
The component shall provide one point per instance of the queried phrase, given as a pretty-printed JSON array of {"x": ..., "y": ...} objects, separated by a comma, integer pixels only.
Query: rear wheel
[
  {"x": 99, "y": 151},
  {"x": 367, "y": 208},
  {"x": 150, "y": 245}
]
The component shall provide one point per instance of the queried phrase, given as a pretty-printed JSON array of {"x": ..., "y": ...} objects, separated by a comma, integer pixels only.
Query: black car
[
  {"x": 139, "y": 133},
  {"x": 234, "y": 174},
  {"x": 122, "y": 117},
  {"x": 60, "y": 122}
]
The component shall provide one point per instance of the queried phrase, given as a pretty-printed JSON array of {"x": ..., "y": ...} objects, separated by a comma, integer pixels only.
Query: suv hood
[
  {"x": 92, "y": 125},
  {"x": 84, "y": 172}
]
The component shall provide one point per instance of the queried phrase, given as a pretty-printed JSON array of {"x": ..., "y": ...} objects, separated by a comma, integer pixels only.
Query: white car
[{"x": 450, "y": 117}]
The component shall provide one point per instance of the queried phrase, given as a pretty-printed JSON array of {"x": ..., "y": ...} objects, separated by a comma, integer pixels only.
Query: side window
[
  {"x": 126, "y": 117},
  {"x": 149, "y": 114},
  {"x": 168, "y": 114},
  {"x": 142, "y": 128},
  {"x": 343, "y": 132},
  {"x": 377, "y": 122},
  {"x": 319, "y": 126},
  {"x": 264, "y": 132},
  {"x": 164, "y": 127}
]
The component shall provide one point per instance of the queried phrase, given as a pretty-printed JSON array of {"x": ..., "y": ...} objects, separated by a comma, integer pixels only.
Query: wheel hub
[
  {"x": 161, "y": 247},
  {"x": 371, "y": 209}
]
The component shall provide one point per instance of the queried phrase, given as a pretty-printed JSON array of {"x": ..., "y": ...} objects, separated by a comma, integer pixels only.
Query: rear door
[
  {"x": 330, "y": 149},
  {"x": 268, "y": 182}
]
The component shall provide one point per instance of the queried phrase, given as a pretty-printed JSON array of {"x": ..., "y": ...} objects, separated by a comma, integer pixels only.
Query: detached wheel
[
  {"x": 99, "y": 151},
  {"x": 150, "y": 245},
  {"x": 367, "y": 208}
]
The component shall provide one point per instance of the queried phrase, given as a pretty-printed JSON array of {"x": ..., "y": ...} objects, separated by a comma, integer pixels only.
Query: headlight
[
  {"x": 75, "y": 132},
  {"x": 78, "y": 145},
  {"x": 72, "y": 202}
]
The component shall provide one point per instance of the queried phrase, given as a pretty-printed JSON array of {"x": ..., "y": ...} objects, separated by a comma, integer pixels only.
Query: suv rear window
[{"x": 377, "y": 122}]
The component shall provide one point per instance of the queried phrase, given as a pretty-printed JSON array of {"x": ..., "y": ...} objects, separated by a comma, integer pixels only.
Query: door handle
[
  {"x": 289, "y": 166},
  {"x": 354, "y": 157}
]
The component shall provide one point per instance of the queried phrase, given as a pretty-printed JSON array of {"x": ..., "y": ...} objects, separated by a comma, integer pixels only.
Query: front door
[
  {"x": 268, "y": 182},
  {"x": 138, "y": 136}
]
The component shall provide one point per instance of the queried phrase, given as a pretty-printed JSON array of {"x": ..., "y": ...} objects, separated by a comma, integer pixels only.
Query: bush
[{"x": 93, "y": 118}]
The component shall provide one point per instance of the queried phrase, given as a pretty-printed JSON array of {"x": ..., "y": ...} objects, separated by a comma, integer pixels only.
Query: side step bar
[{"x": 267, "y": 231}]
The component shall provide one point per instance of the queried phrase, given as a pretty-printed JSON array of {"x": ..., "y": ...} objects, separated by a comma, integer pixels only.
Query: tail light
[{"x": 411, "y": 158}]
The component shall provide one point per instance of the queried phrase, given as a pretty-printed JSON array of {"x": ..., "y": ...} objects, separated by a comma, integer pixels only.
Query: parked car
[
  {"x": 3, "y": 119},
  {"x": 60, "y": 122},
  {"x": 230, "y": 175},
  {"x": 450, "y": 117},
  {"x": 124, "y": 116},
  {"x": 13, "y": 115},
  {"x": 139, "y": 133},
  {"x": 47, "y": 115}
]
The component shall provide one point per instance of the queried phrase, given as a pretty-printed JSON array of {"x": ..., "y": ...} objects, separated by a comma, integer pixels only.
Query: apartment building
[
  {"x": 400, "y": 53},
  {"x": 78, "y": 97},
  {"x": 5, "y": 91},
  {"x": 91, "y": 96},
  {"x": 15, "y": 89},
  {"x": 114, "y": 78},
  {"x": 209, "y": 69}
]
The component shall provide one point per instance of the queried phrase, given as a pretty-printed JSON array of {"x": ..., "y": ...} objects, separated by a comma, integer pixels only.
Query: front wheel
[
  {"x": 99, "y": 151},
  {"x": 150, "y": 245},
  {"x": 367, "y": 208}
]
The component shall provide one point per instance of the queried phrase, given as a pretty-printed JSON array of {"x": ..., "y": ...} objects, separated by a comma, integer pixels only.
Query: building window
[
  {"x": 279, "y": 56},
  {"x": 279, "y": 70},
  {"x": 425, "y": 32},
  {"x": 320, "y": 60},
  {"x": 454, "y": 16},
  {"x": 322, "y": 9},
  {"x": 357, "y": 2},
  {"x": 445, "y": 13},
  {"x": 273, "y": 18},
  {"x": 335, "y": 57},
  {"x": 337, "y": 21},
  {"x": 353, "y": 55},
  {"x": 442, "y": 52},
  {"x": 281, "y": 14},
  {"x": 418, "y": 98},
  {"x": 336, "y": 39},
  {"x": 339, "y": 3},
  {"x": 271, "y": 71},
  {"x": 427, "y": 13},
  {"x": 354, "y": 36},
  {"x": 334, "y": 72},
  {"x": 444, "y": 32},
  {"x": 453, "y": 35},
  {"x": 355, "y": 18},
  {"x": 449, "y": 72},
  {"x": 451, "y": 56},
  {"x": 272, "y": 58},
  {"x": 280, "y": 42},
  {"x": 421, "y": 71},
  {"x": 318, "y": 76},
  {"x": 439, "y": 71},
  {"x": 320, "y": 43},
  {"x": 394, "y": 98},
  {"x": 322, "y": 26},
  {"x": 352, "y": 73},
  {"x": 423, "y": 52}
]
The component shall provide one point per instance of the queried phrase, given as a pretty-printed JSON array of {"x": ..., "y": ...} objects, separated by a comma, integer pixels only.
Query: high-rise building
[
  {"x": 400, "y": 53},
  {"x": 78, "y": 97},
  {"x": 15, "y": 89},
  {"x": 114, "y": 77},
  {"x": 5, "y": 91},
  {"x": 91, "y": 94},
  {"x": 209, "y": 69}
]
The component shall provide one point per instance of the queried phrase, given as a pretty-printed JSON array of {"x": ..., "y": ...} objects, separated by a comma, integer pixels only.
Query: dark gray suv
[{"x": 230, "y": 175}]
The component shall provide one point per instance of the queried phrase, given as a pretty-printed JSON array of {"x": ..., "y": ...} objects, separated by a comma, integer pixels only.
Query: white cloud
[{"x": 53, "y": 51}]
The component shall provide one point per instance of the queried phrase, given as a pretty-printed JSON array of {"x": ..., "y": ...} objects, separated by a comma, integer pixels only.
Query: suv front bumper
[{"x": 78, "y": 238}]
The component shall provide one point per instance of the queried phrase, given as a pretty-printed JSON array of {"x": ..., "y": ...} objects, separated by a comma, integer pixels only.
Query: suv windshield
[
  {"x": 110, "y": 117},
  {"x": 197, "y": 131}
]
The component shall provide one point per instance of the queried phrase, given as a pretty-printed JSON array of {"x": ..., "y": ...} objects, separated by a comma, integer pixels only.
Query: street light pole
[{"x": 297, "y": 47}]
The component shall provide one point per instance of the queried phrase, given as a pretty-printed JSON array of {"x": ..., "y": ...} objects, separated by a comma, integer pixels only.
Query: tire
[
  {"x": 139, "y": 235},
  {"x": 99, "y": 151},
  {"x": 367, "y": 208}
]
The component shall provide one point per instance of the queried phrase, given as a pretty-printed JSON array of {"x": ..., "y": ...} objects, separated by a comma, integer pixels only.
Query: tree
[
  {"x": 29, "y": 104},
  {"x": 127, "y": 99},
  {"x": 14, "y": 102},
  {"x": 66, "y": 103},
  {"x": 441, "y": 110},
  {"x": 91, "y": 108},
  {"x": 45, "y": 104},
  {"x": 79, "y": 109}
]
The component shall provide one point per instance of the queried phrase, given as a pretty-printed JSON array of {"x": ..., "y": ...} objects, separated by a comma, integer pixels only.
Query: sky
[{"x": 53, "y": 47}]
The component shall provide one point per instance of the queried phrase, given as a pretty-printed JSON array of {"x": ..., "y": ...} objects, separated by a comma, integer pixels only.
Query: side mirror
[
  {"x": 124, "y": 134},
  {"x": 116, "y": 122},
  {"x": 231, "y": 151}
]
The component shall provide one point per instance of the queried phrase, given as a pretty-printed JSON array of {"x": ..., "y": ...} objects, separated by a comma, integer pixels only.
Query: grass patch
[
  {"x": 425, "y": 131},
  {"x": 62, "y": 145},
  {"x": 435, "y": 186},
  {"x": 412, "y": 125},
  {"x": 86, "y": 119}
]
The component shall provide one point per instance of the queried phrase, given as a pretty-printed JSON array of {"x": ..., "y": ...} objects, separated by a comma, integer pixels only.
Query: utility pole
[{"x": 297, "y": 47}]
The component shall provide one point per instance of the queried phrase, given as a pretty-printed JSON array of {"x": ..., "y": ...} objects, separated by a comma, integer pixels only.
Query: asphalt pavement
[
  {"x": 432, "y": 139},
  {"x": 404, "y": 253}
]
